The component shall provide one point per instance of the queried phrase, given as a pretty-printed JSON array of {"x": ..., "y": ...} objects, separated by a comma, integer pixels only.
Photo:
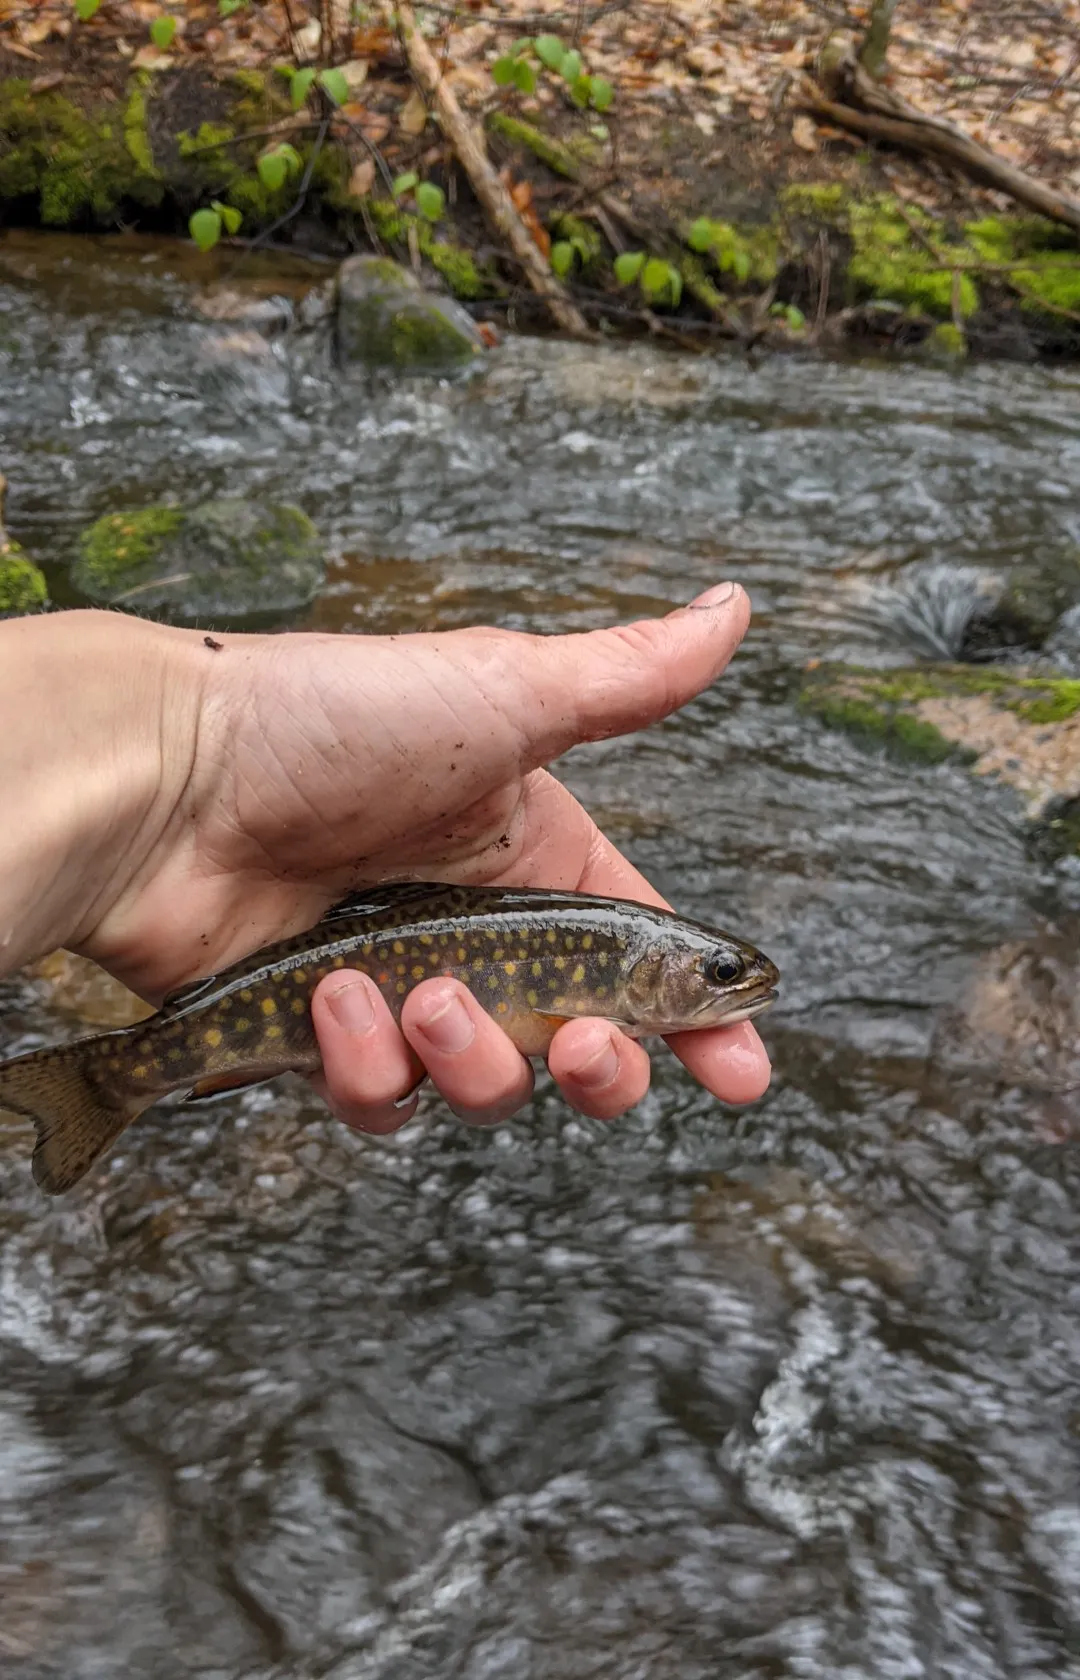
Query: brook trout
[{"x": 532, "y": 958}]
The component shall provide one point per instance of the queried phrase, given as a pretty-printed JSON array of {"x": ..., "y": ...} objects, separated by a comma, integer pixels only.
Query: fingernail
[
  {"x": 450, "y": 1029},
  {"x": 352, "y": 1008},
  {"x": 716, "y": 596},
  {"x": 598, "y": 1072}
]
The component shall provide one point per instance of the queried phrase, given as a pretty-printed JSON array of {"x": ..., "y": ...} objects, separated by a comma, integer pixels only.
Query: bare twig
[{"x": 468, "y": 143}]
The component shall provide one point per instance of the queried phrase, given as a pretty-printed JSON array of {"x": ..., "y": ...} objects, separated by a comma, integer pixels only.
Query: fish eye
[{"x": 723, "y": 968}]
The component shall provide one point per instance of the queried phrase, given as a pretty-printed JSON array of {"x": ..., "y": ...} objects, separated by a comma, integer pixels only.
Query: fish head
[{"x": 697, "y": 979}]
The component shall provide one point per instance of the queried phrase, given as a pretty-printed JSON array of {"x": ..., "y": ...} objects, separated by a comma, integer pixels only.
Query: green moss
[
  {"x": 120, "y": 548},
  {"x": 889, "y": 260},
  {"x": 465, "y": 277},
  {"x": 81, "y": 166},
  {"x": 136, "y": 134},
  {"x": 22, "y": 586},
  {"x": 909, "y": 736},
  {"x": 877, "y": 702},
  {"x": 946, "y": 343},
  {"x": 558, "y": 157},
  {"x": 826, "y": 202},
  {"x": 698, "y": 284}
]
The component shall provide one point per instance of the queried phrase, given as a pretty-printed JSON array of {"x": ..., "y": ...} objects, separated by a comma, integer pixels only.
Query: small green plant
[
  {"x": 162, "y": 31},
  {"x": 429, "y": 199},
  {"x": 571, "y": 253},
  {"x": 659, "y": 280},
  {"x": 276, "y": 166},
  {"x": 301, "y": 82},
  {"x": 788, "y": 313},
  {"x": 226, "y": 8},
  {"x": 717, "y": 239},
  {"x": 85, "y": 9},
  {"x": 205, "y": 225},
  {"x": 514, "y": 68}
]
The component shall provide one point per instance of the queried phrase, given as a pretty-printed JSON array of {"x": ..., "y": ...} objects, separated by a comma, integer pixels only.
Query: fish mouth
[{"x": 744, "y": 1009}]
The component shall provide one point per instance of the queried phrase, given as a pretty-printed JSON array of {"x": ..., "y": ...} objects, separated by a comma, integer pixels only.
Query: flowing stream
[{"x": 703, "y": 1395}]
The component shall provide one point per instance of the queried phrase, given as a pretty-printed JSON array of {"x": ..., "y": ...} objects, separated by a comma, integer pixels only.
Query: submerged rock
[
  {"x": 1021, "y": 728},
  {"x": 385, "y": 319},
  {"x": 22, "y": 585},
  {"x": 78, "y": 987},
  {"x": 222, "y": 560}
]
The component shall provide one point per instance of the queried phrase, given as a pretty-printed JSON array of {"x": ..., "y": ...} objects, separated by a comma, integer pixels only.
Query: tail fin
[{"x": 76, "y": 1123}]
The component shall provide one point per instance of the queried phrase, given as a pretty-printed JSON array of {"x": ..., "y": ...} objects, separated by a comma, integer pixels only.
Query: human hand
[{"x": 294, "y": 768}]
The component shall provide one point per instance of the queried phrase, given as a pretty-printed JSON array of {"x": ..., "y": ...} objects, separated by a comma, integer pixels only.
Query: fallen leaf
[
  {"x": 148, "y": 58},
  {"x": 362, "y": 178},
  {"x": 355, "y": 73},
  {"x": 374, "y": 126},
  {"x": 23, "y": 52},
  {"x": 413, "y": 114},
  {"x": 804, "y": 132},
  {"x": 51, "y": 79},
  {"x": 34, "y": 33},
  {"x": 521, "y": 194}
]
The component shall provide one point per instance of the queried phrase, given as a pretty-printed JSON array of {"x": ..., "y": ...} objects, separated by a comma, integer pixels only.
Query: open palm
[{"x": 321, "y": 763}]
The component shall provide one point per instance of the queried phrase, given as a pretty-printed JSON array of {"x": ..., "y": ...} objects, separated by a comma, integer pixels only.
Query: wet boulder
[
  {"x": 22, "y": 585},
  {"x": 1020, "y": 727},
  {"x": 384, "y": 318},
  {"x": 221, "y": 561}
]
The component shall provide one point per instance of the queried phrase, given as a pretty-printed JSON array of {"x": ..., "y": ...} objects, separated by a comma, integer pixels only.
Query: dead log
[
  {"x": 468, "y": 144},
  {"x": 851, "y": 97}
]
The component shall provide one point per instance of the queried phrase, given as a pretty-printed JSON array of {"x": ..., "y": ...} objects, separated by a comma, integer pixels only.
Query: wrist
[{"x": 98, "y": 723}]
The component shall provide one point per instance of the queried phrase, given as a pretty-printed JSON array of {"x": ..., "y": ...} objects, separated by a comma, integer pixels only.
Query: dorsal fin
[
  {"x": 368, "y": 900},
  {"x": 187, "y": 994}
]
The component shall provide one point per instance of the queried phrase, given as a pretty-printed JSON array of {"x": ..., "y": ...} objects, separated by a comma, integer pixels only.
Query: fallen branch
[
  {"x": 854, "y": 99},
  {"x": 469, "y": 146}
]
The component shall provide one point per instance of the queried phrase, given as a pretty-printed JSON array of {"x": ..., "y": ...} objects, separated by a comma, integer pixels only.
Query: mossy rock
[
  {"x": 385, "y": 319},
  {"x": 224, "y": 560},
  {"x": 1036, "y": 597},
  {"x": 22, "y": 585},
  {"x": 1017, "y": 726}
]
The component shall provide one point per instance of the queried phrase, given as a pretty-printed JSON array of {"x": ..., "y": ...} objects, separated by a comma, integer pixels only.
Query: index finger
[{"x": 731, "y": 1062}]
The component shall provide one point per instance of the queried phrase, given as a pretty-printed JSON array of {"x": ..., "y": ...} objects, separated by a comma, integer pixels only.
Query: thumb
[{"x": 600, "y": 683}]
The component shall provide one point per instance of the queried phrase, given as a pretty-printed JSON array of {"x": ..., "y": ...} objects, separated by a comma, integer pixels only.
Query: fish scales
[{"x": 532, "y": 958}]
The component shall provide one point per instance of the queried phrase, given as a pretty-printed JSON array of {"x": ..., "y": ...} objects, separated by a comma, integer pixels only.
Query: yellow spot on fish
[
  {"x": 269, "y": 1007},
  {"x": 493, "y": 981},
  {"x": 498, "y": 953},
  {"x": 510, "y": 968},
  {"x": 145, "y": 1047},
  {"x": 418, "y": 972},
  {"x": 501, "y": 1008},
  {"x": 537, "y": 970},
  {"x": 399, "y": 947},
  {"x": 600, "y": 991},
  {"x": 138, "y": 1071},
  {"x": 602, "y": 959},
  {"x": 212, "y": 1037},
  {"x": 115, "y": 1063},
  {"x": 298, "y": 1006},
  {"x": 366, "y": 952},
  {"x": 551, "y": 936},
  {"x": 401, "y": 988},
  {"x": 246, "y": 996},
  {"x": 462, "y": 955},
  {"x": 299, "y": 975},
  {"x": 579, "y": 974},
  {"x": 175, "y": 1053},
  {"x": 532, "y": 998},
  {"x": 242, "y": 1024},
  {"x": 339, "y": 962},
  {"x": 523, "y": 951},
  {"x": 570, "y": 941},
  {"x": 586, "y": 942},
  {"x": 402, "y": 968},
  {"x": 273, "y": 1032},
  {"x": 425, "y": 939},
  {"x": 560, "y": 962},
  {"x": 382, "y": 953},
  {"x": 478, "y": 962}
]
